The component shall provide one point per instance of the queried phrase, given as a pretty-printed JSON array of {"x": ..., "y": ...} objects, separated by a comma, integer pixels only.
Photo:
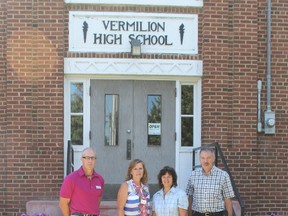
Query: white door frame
[{"x": 188, "y": 72}]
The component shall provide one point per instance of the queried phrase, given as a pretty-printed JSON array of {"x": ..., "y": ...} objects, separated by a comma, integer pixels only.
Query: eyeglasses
[{"x": 89, "y": 158}]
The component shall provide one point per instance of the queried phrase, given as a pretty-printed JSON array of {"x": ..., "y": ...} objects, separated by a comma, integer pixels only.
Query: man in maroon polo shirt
[{"x": 82, "y": 190}]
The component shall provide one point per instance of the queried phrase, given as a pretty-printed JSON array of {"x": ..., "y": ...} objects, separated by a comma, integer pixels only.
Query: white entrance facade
[
  {"x": 166, "y": 135},
  {"x": 182, "y": 72}
]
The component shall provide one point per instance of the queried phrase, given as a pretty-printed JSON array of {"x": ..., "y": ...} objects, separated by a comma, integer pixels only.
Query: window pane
[
  {"x": 76, "y": 90},
  {"x": 187, "y": 131},
  {"x": 154, "y": 119},
  {"x": 77, "y": 130},
  {"x": 187, "y": 100},
  {"x": 111, "y": 119}
]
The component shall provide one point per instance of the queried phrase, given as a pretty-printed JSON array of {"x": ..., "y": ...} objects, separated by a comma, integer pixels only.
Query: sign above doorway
[{"x": 110, "y": 32}]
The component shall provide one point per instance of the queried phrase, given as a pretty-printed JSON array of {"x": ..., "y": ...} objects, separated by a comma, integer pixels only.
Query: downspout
[
  {"x": 259, "y": 123},
  {"x": 268, "y": 104},
  {"x": 269, "y": 116}
]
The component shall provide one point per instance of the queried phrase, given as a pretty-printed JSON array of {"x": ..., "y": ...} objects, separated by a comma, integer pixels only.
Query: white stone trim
[
  {"x": 93, "y": 66},
  {"x": 184, "y": 3}
]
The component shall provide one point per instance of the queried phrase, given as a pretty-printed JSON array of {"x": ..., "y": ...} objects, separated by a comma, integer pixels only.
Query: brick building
[{"x": 46, "y": 65}]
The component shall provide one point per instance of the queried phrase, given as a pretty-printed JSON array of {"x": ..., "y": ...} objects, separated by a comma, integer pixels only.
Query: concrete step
[
  {"x": 51, "y": 208},
  {"x": 107, "y": 208}
]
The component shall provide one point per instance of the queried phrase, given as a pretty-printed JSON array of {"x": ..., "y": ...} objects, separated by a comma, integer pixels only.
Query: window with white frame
[
  {"x": 76, "y": 112},
  {"x": 76, "y": 115},
  {"x": 187, "y": 115}
]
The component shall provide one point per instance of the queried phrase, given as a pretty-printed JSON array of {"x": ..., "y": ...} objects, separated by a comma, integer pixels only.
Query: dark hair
[
  {"x": 132, "y": 164},
  {"x": 171, "y": 172}
]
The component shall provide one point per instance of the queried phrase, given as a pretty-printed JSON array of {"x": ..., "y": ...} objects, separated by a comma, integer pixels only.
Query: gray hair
[
  {"x": 86, "y": 149},
  {"x": 208, "y": 149}
]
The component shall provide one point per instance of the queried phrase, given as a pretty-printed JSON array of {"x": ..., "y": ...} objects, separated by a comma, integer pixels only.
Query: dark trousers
[{"x": 195, "y": 213}]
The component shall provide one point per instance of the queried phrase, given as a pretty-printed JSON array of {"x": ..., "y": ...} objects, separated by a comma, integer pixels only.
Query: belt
[
  {"x": 79, "y": 214},
  {"x": 195, "y": 213}
]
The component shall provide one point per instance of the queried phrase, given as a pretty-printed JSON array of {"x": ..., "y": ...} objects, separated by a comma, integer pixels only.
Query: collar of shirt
[
  {"x": 213, "y": 169},
  {"x": 172, "y": 190},
  {"x": 82, "y": 173}
]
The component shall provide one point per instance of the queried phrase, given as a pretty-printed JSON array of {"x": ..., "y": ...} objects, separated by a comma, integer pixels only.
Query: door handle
[{"x": 128, "y": 149}]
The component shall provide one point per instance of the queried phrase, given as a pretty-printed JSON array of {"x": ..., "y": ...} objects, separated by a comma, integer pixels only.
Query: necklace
[{"x": 143, "y": 195}]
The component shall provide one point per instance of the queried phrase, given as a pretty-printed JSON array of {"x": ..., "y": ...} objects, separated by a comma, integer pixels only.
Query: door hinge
[
  {"x": 90, "y": 91},
  {"x": 175, "y": 92},
  {"x": 175, "y": 136},
  {"x": 90, "y": 135}
]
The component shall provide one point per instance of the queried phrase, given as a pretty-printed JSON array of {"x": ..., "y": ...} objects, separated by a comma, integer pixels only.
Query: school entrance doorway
[{"x": 132, "y": 119}]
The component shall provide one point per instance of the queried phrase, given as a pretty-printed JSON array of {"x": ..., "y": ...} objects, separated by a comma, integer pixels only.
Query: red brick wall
[
  {"x": 232, "y": 45},
  {"x": 3, "y": 158},
  {"x": 234, "y": 58},
  {"x": 230, "y": 88},
  {"x": 33, "y": 142},
  {"x": 273, "y": 150}
]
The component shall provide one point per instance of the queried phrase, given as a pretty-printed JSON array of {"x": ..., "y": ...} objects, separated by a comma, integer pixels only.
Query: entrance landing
[{"x": 51, "y": 208}]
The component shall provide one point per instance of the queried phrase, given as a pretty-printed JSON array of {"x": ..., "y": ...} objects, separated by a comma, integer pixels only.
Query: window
[
  {"x": 187, "y": 115},
  {"x": 76, "y": 113},
  {"x": 111, "y": 119},
  {"x": 154, "y": 119}
]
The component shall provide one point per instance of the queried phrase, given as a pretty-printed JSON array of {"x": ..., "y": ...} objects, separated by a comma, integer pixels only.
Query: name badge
[
  {"x": 144, "y": 202},
  {"x": 98, "y": 187}
]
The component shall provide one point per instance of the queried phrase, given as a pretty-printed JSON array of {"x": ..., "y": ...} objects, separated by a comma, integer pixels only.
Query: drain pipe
[
  {"x": 269, "y": 116},
  {"x": 259, "y": 123},
  {"x": 268, "y": 106}
]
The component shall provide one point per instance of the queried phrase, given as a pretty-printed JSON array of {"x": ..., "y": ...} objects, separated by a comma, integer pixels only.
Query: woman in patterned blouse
[{"x": 133, "y": 196}]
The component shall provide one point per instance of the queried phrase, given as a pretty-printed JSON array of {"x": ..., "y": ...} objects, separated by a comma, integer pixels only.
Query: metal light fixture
[{"x": 135, "y": 47}]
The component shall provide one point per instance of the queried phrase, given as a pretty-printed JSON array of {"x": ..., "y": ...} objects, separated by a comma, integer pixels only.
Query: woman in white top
[{"x": 169, "y": 200}]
